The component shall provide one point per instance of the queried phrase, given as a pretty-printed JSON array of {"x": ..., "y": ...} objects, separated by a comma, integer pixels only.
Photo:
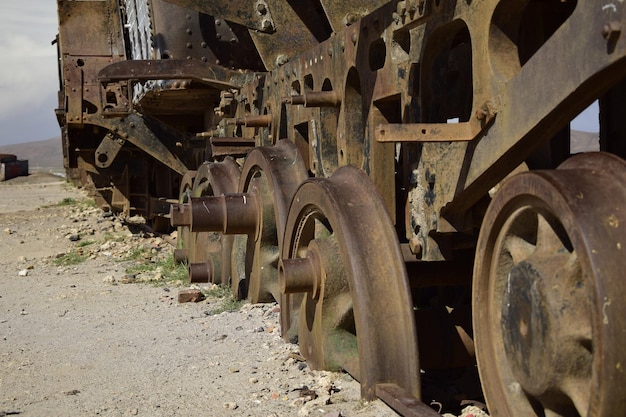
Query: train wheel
[
  {"x": 341, "y": 249},
  {"x": 549, "y": 316},
  {"x": 183, "y": 240},
  {"x": 272, "y": 174},
  {"x": 210, "y": 256}
]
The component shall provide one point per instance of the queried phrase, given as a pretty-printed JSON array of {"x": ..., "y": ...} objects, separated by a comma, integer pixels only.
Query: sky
[
  {"x": 28, "y": 71},
  {"x": 29, "y": 77}
]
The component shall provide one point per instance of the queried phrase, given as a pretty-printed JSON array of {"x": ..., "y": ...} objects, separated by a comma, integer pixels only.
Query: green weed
[
  {"x": 227, "y": 300},
  {"x": 170, "y": 270},
  {"x": 83, "y": 243},
  {"x": 70, "y": 258}
]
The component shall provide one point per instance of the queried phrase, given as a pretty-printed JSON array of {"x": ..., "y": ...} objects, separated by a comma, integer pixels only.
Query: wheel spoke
[
  {"x": 519, "y": 248},
  {"x": 551, "y": 238}
]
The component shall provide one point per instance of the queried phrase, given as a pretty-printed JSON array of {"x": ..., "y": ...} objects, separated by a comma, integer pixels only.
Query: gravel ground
[{"x": 76, "y": 341}]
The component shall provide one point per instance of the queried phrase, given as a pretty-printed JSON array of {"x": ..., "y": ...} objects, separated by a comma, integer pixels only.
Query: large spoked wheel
[
  {"x": 341, "y": 249},
  {"x": 211, "y": 251},
  {"x": 549, "y": 315},
  {"x": 183, "y": 233},
  {"x": 272, "y": 174}
]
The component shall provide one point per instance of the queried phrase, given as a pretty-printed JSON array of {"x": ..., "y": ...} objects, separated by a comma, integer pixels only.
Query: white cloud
[{"x": 28, "y": 74}]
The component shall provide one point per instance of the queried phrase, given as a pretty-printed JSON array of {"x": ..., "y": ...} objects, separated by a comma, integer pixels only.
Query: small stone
[
  {"x": 23, "y": 273},
  {"x": 253, "y": 380},
  {"x": 74, "y": 238},
  {"x": 302, "y": 366},
  {"x": 190, "y": 296},
  {"x": 231, "y": 405},
  {"x": 133, "y": 411},
  {"x": 298, "y": 402},
  {"x": 128, "y": 279},
  {"x": 8, "y": 231},
  {"x": 21, "y": 258},
  {"x": 233, "y": 370},
  {"x": 109, "y": 279},
  {"x": 136, "y": 220}
]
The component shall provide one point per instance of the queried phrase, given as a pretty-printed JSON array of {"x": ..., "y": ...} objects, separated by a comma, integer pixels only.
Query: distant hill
[
  {"x": 584, "y": 141},
  {"x": 45, "y": 155}
]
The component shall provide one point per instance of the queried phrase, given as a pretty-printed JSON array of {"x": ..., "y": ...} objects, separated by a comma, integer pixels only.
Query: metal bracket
[
  {"x": 266, "y": 23},
  {"x": 438, "y": 132},
  {"x": 108, "y": 150},
  {"x": 148, "y": 134}
]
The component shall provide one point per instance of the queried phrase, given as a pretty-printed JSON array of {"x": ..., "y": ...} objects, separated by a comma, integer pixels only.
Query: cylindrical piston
[
  {"x": 227, "y": 213},
  {"x": 201, "y": 272},
  {"x": 300, "y": 274},
  {"x": 181, "y": 255},
  {"x": 180, "y": 215},
  {"x": 316, "y": 99}
]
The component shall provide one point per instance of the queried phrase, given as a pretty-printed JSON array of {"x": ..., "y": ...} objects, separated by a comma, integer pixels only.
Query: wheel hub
[{"x": 526, "y": 328}]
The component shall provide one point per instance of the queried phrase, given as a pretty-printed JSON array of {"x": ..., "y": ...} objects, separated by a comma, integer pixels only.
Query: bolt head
[
  {"x": 611, "y": 30},
  {"x": 266, "y": 24},
  {"x": 261, "y": 8}
]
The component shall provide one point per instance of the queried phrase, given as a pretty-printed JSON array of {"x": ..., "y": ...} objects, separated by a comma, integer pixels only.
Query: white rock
[
  {"x": 23, "y": 273},
  {"x": 109, "y": 279}
]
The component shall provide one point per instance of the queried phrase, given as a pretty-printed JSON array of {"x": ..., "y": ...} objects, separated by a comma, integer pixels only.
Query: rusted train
[{"x": 396, "y": 174}]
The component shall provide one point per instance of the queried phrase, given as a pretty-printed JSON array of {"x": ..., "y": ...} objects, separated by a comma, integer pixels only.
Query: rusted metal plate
[
  {"x": 344, "y": 13},
  {"x": 231, "y": 146},
  {"x": 149, "y": 135},
  {"x": 93, "y": 21},
  {"x": 275, "y": 27},
  {"x": 173, "y": 69},
  {"x": 403, "y": 402},
  {"x": 547, "y": 101},
  {"x": 246, "y": 13},
  {"x": 427, "y": 132}
]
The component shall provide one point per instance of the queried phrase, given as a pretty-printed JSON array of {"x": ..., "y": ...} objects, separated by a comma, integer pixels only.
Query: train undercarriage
[{"x": 398, "y": 176}]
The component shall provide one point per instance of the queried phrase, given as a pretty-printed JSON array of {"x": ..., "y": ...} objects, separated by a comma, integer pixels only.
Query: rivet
[{"x": 611, "y": 30}]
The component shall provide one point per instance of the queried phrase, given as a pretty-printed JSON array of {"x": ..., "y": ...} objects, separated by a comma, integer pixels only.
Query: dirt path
[
  {"x": 76, "y": 341},
  {"x": 74, "y": 344}
]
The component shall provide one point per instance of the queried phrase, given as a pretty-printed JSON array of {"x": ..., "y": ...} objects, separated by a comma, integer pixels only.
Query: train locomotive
[{"x": 397, "y": 175}]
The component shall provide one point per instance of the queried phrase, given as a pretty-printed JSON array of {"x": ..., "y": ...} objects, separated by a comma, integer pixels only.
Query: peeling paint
[{"x": 606, "y": 304}]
